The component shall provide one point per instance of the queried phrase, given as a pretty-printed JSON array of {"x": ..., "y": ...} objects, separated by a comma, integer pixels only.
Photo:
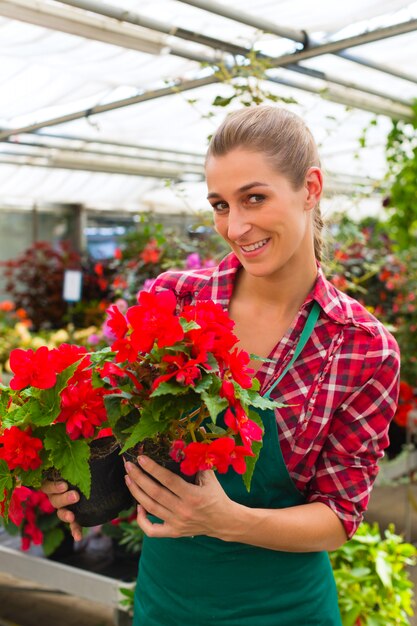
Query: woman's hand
[
  {"x": 186, "y": 510},
  {"x": 60, "y": 497}
]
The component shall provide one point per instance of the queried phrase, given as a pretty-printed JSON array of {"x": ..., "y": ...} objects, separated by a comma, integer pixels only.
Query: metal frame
[{"x": 143, "y": 29}]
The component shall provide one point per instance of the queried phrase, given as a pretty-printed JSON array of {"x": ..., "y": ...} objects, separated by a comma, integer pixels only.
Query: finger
[
  {"x": 76, "y": 531},
  {"x": 167, "y": 478},
  {"x": 152, "y": 488},
  {"x": 51, "y": 487},
  {"x": 152, "y": 506},
  {"x": 149, "y": 528},
  {"x": 65, "y": 516},
  {"x": 206, "y": 477},
  {"x": 63, "y": 500}
]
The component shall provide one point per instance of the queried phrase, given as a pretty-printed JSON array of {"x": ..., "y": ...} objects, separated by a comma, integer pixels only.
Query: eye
[
  {"x": 220, "y": 207},
  {"x": 255, "y": 198}
]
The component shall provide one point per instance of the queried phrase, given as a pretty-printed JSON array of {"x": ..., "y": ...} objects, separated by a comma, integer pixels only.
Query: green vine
[
  {"x": 246, "y": 78},
  {"x": 401, "y": 204}
]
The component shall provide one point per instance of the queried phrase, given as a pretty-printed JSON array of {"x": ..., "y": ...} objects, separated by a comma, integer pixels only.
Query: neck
[{"x": 285, "y": 292}]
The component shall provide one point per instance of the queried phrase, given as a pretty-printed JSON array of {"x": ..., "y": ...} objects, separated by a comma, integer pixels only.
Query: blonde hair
[{"x": 282, "y": 137}]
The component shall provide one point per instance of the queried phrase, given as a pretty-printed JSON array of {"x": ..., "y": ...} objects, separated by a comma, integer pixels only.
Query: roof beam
[
  {"x": 135, "y": 18},
  {"x": 77, "y": 161},
  {"x": 299, "y": 36},
  {"x": 92, "y": 26},
  {"x": 89, "y": 26},
  {"x": 111, "y": 106}
]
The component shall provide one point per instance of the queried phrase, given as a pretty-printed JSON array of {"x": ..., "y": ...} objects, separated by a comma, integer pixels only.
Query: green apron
[{"x": 202, "y": 581}]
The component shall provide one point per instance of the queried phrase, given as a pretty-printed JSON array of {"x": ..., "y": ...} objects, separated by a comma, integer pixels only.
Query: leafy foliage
[
  {"x": 372, "y": 579},
  {"x": 401, "y": 153}
]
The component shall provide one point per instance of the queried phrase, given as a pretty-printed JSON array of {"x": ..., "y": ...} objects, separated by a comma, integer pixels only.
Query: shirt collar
[{"x": 220, "y": 287}]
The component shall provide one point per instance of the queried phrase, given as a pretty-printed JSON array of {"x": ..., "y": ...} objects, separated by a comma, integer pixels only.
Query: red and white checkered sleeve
[{"x": 347, "y": 466}]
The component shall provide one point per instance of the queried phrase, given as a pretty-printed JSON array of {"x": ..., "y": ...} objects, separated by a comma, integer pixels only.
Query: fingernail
[
  {"x": 74, "y": 497},
  {"x": 128, "y": 466},
  {"x": 142, "y": 460},
  {"x": 127, "y": 479}
]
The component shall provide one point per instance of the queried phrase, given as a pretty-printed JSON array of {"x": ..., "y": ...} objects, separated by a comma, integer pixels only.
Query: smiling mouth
[{"x": 254, "y": 246}]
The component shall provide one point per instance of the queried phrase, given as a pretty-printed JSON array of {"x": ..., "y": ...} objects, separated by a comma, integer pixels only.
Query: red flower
[
  {"x": 406, "y": 392},
  {"x": 237, "y": 459},
  {"x": 237, "y": 362},
  {"x": 401, "y": 414},
  {"x": 125, "y": 350},
  {"x": 67, "y": 354},
  {"x": 154, "y": 320},
  {"x": 151, "y": 253},
  {"x": 32, "y": 368},
  {"x": 227, "y": 391},
  {"x": 112, "y": 371},
  {"x": 16, "y": 509},
  {"x": 183, "y": 369},
  {"x": 82, "y": 409},
  {"x": 204, "y": 456},
  {"x": 215, "y": 332},
  {"x": 99, "y": 269},
  {"x": 236, "y": 419},
  {"x": 20, "y": 449},
  {"x": 116, "y": 321}
]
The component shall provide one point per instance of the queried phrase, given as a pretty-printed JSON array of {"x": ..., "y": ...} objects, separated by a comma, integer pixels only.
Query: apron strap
[{"x": 304, "y": 337}]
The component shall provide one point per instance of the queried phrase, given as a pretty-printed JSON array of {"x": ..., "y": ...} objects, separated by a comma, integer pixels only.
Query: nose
[{"x": 237, "y": 225}]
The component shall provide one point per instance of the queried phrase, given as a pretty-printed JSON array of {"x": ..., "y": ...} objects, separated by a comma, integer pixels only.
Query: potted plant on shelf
[{"x": 52, "y": 422}]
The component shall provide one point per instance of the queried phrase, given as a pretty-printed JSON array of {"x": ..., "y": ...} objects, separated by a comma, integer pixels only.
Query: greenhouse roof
[{"x": 102, "y": 103}]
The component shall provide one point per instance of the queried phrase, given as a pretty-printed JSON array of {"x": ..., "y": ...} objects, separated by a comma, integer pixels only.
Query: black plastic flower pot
[{"x": 109, "y": 494}]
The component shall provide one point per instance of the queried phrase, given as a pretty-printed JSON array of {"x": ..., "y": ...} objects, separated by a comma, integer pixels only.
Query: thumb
[{"x": 206, "y": 477}]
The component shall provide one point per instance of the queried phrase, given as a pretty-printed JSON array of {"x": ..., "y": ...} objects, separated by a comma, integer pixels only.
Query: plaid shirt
[{"x": 342, "y": 389}]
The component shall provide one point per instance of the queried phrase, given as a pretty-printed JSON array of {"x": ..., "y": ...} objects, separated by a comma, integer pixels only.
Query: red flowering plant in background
[
  {"x": 179, "y": 382},
  {"x": 49, "y": 414},
  {"x": 32, "y": 516}
]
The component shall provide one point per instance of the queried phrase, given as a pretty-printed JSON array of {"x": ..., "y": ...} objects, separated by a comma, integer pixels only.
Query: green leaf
[
  {"x": 147, "y": 427},
  {"x": 52, "y": 539},
  {"x": 350, "y": 618},
  {"x": 115, "y": 407},
  {"x": 220, "y": 101},
  {"x": 214, "y": 404},
  {"x": 171, "y": 388},
  {"x": 6, "y": 480},
  {"x": 383, "y": 569},
  {"x": 205, "y": 383},
  {"x": 70, "y": 458},
  {"x": 188, "y": 325},
  {"x": 250, "y": 464}
]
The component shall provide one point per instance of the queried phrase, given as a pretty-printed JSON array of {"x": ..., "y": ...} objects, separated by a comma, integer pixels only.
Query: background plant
[
  {"x": 372, "y": 578},
  {"x": 400, "y": 203}
]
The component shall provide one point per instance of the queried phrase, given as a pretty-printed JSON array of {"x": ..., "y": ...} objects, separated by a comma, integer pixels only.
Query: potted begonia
[
  {"x": 180, "y": 389},
  {"x": 172, "y": 385}
]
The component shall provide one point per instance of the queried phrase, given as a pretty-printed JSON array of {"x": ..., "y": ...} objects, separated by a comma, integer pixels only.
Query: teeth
[{"x": 254, "y": 246}]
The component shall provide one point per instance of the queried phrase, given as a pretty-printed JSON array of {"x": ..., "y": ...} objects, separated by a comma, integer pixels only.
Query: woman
[{"x": 218, "y": 555}]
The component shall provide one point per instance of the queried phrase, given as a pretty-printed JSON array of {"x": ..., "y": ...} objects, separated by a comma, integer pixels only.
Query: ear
[{"x": 314, "y": 187}]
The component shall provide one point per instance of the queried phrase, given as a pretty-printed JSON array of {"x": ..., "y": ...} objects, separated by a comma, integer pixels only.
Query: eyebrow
[{"x": 213, "y": 194}]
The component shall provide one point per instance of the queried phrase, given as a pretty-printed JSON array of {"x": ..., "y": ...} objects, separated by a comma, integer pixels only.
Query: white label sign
[{"x": 72, "y": 285}]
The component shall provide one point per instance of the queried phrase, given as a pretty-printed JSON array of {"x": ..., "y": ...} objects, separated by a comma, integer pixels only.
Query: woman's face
[{"x": 265, "y": 221}]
